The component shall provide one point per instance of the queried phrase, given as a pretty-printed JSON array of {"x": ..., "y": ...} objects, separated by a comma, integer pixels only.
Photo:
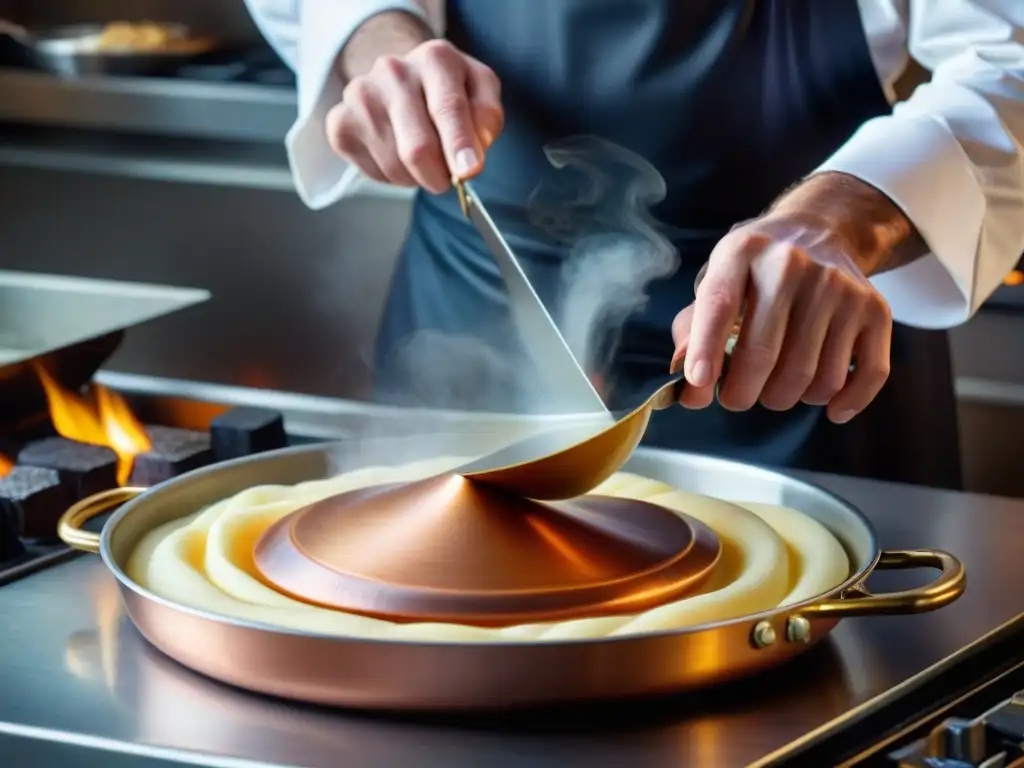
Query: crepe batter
[{"x": 771, "y": 556}]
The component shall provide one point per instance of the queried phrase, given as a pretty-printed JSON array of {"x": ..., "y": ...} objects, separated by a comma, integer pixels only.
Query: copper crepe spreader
[{"x": 448, "y": 549}]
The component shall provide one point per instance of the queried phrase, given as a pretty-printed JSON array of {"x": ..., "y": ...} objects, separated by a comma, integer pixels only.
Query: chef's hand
[
  {"x": 799, "y": 275},
  {"x": 420, "y": 118}
]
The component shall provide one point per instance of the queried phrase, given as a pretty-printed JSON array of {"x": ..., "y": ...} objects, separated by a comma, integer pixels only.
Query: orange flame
[
  {"x": 1015, "y": 278},
  {"x": 108, "y": 422},
  {"x": 6, "y": 465}
]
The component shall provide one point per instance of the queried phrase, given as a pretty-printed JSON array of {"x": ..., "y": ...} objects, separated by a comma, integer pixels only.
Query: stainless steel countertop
[{"x": 72, "y": 670}]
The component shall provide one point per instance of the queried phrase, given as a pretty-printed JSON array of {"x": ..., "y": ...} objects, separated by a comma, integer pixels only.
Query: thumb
[{"x": 719, "y": 302}]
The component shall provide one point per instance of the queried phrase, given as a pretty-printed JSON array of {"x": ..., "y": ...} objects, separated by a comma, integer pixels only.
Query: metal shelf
[
  {"x": 248, "y": 165},
  {"x": 245, "y": 165},
  {"x": 161, "y": 107}
]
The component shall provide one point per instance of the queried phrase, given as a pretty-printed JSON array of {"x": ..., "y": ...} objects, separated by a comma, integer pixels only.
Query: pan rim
[{"x": 858, "y": 575}]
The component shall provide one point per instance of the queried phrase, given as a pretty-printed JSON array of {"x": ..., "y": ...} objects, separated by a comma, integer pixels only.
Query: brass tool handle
[
  {"x": 69, "y": 527},
  {"x": 950, "y": 584},
  {"x": 460, "y": 190}
]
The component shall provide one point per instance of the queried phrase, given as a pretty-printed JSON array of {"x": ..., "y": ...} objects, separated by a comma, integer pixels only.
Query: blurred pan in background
[{"x": 119, "y": 48}]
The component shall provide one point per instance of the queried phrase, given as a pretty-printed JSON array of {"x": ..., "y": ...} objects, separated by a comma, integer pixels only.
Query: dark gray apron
[{"x": 732, "y": 101}]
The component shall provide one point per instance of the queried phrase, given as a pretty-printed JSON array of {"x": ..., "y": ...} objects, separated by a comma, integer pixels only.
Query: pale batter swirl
[{"x": 771, "y": 556}]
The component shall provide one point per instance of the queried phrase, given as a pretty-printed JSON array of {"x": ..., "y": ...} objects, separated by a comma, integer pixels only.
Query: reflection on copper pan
[
  {"x": 450, "y": 550},
  {"x": 178, "y": 708}
]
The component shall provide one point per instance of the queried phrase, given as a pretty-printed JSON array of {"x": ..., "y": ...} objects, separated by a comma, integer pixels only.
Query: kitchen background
[{"x": 183, "y": 180}]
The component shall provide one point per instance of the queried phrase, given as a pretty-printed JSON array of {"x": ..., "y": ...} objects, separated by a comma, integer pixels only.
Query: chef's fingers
[
  {"x": 833, "y": 366},
  {"x": 384, "y": 153},
  {"x": 379, "y": 138},
  {"x": 485, "y": 102},
  {"x": 346, "y": 135},
  {"x": 445, "y": 82},
  {"x": 805, "y": 335},
  {"x": 765, "y": 320},
  {"x": 364, "y": 161},
  {"x": 691, "y": 396},
  {"x": 719, "y": 300},
  {"x": 697, "y": 398},
  {"x": 872, "y": 351},
  {"x": 416, "y": 143}
]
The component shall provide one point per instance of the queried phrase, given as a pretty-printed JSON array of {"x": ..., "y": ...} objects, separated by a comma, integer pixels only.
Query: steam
[
  {"x": 457, "y": 372},
  {"x": 593, "y": 205},
  {"x": 599, "y": 208}
]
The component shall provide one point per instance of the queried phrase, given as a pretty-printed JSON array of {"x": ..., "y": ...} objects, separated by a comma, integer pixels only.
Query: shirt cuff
[
  {"x": 321, "y": 177},
  {"x": 922, "y": 168}
]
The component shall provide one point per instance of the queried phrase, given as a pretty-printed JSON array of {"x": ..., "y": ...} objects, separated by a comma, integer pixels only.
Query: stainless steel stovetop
[{"x": 80, "y": 687}]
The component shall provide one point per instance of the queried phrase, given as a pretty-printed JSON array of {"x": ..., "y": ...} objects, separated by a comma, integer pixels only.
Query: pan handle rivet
[
  {"x": 798, "y": 630},
  {"x": 763, "y": 635}
]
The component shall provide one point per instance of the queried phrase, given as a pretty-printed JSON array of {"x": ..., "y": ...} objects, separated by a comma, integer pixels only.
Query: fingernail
[
  {"x": 700, "y": 374},
  {"x": 677, "y": 364},
  {"x": 487, "y": 138},
  {"x": 843, "y": 416},
  {"x": 465, "y": 161}
]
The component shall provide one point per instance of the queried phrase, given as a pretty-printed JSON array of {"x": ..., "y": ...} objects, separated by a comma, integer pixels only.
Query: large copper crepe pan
[{"x": 402, "y": 675}]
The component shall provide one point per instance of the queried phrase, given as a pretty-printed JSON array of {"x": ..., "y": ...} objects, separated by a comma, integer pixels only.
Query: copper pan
[{"x": 404, "y": 675}]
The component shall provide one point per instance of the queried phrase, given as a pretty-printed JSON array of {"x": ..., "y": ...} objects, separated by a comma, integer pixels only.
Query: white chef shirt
[{"x": 951, "y": 156}]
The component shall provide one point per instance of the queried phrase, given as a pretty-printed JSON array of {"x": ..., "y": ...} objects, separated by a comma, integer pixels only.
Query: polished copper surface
[{"x": 452, "y": 550}]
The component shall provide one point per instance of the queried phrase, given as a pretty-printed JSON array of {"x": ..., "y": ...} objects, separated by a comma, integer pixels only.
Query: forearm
[
  {"x": 878, "y": 234},
  {"x": 393, "y": 33}
]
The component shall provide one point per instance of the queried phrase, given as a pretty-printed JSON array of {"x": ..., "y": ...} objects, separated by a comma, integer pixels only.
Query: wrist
[
  {"x": 877, "y": 234},
  {"x": 392, "y": 33}
]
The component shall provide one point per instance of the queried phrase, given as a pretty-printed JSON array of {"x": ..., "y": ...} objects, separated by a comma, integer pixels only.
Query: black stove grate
[{"x": 52, "y": 473}]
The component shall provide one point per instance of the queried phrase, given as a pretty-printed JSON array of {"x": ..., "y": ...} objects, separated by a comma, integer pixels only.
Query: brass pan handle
[
  {"x": 69, "y": 527},
  {"x": 950, "y": 584}
]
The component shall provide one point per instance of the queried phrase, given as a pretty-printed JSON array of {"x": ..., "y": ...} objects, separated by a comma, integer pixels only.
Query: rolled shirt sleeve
[
  {"x": 951, "y": 157},
  {"x": 309, "y": 35}
]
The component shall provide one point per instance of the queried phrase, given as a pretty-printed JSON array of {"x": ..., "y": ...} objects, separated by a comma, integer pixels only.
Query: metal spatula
[{"x": 568, "y": 383}]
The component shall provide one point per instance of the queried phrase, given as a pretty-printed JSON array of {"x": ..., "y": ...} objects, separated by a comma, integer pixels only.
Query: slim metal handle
[
  {"x": 460, "y": 190},
  {"x": 69, "y": 527}
]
